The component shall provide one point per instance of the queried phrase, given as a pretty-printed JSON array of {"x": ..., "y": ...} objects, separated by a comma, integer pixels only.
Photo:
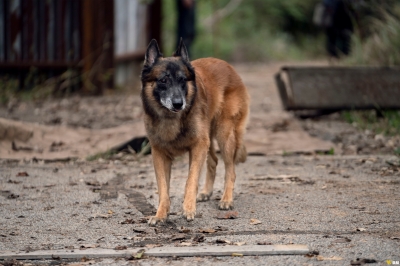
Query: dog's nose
[{"x": 177, "y": 103}]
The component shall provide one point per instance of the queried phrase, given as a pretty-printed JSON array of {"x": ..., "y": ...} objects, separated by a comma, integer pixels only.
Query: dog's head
[{"x": 168, "y": 84}]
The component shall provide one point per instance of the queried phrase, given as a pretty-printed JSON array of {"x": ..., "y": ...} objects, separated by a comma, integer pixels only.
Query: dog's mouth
[{"x": 175, "y": 110}]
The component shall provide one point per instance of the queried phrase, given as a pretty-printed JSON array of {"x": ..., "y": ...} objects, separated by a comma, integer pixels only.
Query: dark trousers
[{"x": 338, "y": 42}]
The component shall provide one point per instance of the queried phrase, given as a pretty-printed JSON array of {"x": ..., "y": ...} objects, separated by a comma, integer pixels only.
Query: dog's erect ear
[
  {"x": 182, "y": 51},
  {"x": 152, "y": 53}
]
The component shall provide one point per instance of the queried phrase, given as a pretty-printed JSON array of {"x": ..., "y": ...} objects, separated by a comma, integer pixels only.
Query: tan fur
[{"x": 219, "y": 111}]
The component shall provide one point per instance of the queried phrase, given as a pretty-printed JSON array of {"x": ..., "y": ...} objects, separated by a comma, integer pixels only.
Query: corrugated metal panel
[
  {"x": 136, "y": 24},
  {"x": 130, "y": 27},
  {"x": 53, "y": 35},
  {"x": 41, "y": 33}
]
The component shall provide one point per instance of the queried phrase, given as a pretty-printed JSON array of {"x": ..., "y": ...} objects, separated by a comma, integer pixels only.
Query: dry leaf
[
  {"x": 99, "y": 215},
  {"x": 228, "y": 215},
  {"x": 321, "y": 258},
  {"x": 221, "y": 228},
  {"x": 264, "y": 243},
  {"x": 22, "y": 174},
  {"x": 139, "y": 230},
  {"x": 89, "y": 246},
  {"x": 239, "y": 243},
  {"x": 206, "y": 230},
  {"x": 222, "y": 241},
  {"x": 185, "y": 244},
  {"x": 153, "y": 245},
  {"x": 199, "y": 238},
  {"x": 254, "y": 221},
  {"x": 178, "y": 237},
  {"x": 361, "y": 229},
  {"x": 139, "y": 254},
  {"x": 128, "y": 221},
  {"x": 184, "y": 230},
  {"x": 93, "y": 183},
  {"x": 342, "y": 240},
  {"x": 237, "y": 255},
  {"x": 359, "y": 261}
]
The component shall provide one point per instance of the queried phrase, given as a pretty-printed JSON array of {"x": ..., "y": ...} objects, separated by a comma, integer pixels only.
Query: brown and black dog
[{"x": 187, "y": 105}]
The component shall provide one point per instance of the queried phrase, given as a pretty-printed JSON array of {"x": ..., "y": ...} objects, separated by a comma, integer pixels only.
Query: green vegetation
[
  {"x": 256, "y": 30},
  {"x": 8, "y": 89},
  {"x": 259, "y": 30},
  {"x": 101, "y": 155},
  {"x": 389, "y": 124},
  {"x": 381, "y": 45},
  {"x": 35, "y": 85}
]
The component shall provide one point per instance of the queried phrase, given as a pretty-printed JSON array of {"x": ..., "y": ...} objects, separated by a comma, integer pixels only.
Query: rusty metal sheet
[
  {"x": 336, "y": 88},
  {"x": 40, "y": 32}
]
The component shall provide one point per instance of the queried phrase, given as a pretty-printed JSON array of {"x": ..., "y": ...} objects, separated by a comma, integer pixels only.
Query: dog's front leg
[
  {"x": 162, "y": 167},
  {"x": 197, "y": 156}
]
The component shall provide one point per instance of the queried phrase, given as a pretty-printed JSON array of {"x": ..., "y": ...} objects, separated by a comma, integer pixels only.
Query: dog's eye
[
  {"x": 163, "y": 80},
  {"x": 182, "y": 79}
]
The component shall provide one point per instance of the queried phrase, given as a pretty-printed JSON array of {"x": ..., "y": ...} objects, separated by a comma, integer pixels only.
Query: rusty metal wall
[
  {"x": 40, "y": 33},
  {"x": 55, "y": 35}
]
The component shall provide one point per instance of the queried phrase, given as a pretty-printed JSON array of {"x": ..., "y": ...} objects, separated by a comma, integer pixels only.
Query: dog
[{"x": 186, "y": 106}]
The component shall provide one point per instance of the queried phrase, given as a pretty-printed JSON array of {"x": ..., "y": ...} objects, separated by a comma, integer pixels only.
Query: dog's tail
[{"x": 240, "y": 154}]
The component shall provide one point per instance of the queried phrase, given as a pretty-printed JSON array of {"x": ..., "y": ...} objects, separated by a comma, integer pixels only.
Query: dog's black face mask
[{"x": 171, "y": 76}]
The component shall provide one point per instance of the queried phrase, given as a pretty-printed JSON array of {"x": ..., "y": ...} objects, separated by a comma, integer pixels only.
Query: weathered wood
[
  {"x": 246, "y": 250},
  {"x": 336, "y": 88},
  {"x": 98, "y": 44}
]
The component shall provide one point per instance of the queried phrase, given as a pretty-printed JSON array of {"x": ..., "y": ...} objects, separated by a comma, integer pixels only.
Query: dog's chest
[{"x": 172, "y": 132}]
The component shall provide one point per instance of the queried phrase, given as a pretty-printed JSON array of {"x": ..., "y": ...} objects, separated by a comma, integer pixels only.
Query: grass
[
  {"x": 389, "y": 124},
  {"x": 8, "y": 89},
  {"x": 381, "y": 48},
  {"x": 101, "y": 155}
]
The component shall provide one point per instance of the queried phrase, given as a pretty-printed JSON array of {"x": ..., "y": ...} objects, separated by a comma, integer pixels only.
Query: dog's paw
[
  {"x": 225, "y": 205},
  {"x": 154, "y": 220},
  {"x": 204, "y": 196},
  {"x": 189, "y": 215}
]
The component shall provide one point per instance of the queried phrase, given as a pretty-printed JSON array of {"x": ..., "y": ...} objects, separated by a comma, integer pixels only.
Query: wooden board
[
  {"x": 337, "y": 88},
  {"x": 246, "y": 250}
]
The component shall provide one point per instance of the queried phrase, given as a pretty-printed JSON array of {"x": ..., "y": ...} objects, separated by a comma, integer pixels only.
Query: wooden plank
[
  {"x": 195, "y": 251},
  {"x": 246, "y": 250},
  {"x": 334, "y": 88}
]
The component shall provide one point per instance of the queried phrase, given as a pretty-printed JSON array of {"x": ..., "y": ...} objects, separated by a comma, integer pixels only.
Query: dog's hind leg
[
  {"x": 212, "y": 162},
  {"x": 227, "y": 142}
]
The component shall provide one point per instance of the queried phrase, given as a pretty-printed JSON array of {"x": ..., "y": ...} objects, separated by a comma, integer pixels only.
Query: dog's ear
[
  {"x": 182, "y": 51},
  {"x": 152, "y": 53}
]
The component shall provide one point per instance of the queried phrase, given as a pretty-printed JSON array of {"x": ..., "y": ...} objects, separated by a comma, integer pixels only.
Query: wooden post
[{"x": 98, "y": 45}]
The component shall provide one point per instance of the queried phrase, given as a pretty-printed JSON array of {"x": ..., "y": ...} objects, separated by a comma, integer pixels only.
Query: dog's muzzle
[{"x": 177, "y": 103}]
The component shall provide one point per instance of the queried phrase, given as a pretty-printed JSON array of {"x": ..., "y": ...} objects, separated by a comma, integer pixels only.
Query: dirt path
[{"x": 82, "y": 126}]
